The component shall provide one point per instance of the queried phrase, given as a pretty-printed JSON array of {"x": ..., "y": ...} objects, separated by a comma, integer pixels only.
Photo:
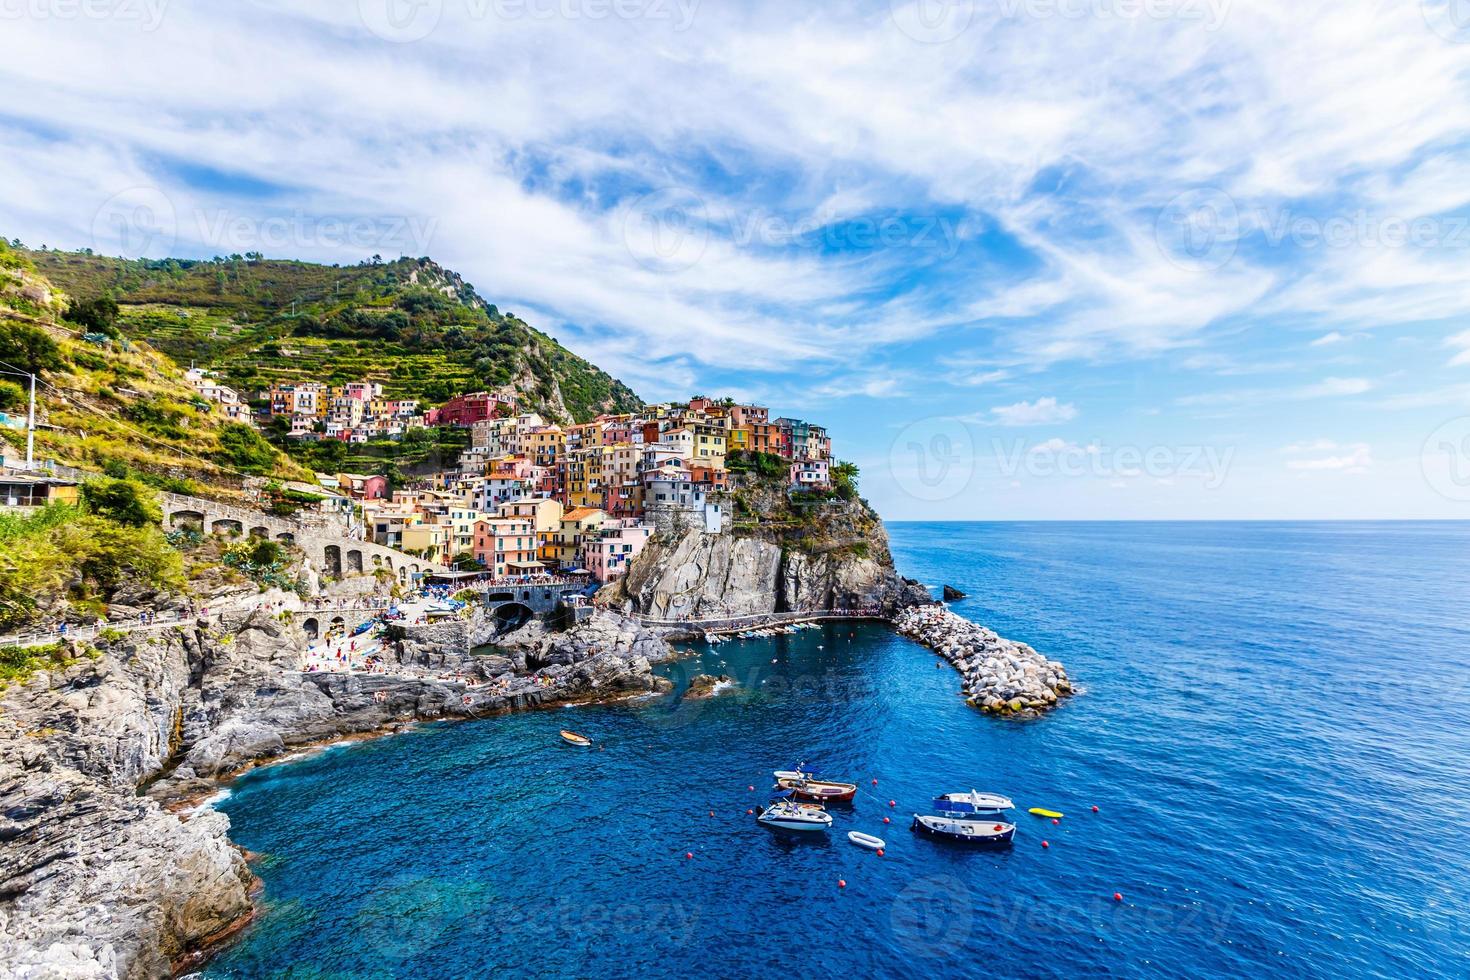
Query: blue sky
[{"x": 1045, "y": 259}]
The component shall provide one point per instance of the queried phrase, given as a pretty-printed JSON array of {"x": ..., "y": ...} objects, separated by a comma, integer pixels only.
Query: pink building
[
  {"x": 811, "y": 474},
  {"x": 607, "y": 552}
]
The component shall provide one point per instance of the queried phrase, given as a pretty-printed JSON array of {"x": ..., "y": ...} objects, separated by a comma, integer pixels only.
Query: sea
[{"x": 1266, "y": 772}]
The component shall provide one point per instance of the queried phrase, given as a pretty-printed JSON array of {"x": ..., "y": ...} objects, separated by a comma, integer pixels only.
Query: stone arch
[
  {"x": 260, "y": 531},
  {"x": 403, "y": 574},
  {"x": 512, "y": 614},
  {"x": 526, "y": 594},
  {"x": 311, "y": 627},
  {"x": 187, "y": 518},
  {"x": 500, "y": 597},
  {"x": 332, "y": 560},
  {"x": 338, "y": 627},
  {"x": 227, "y": 525},
  {"x": 286, "y": 537},
  {"x": 377, "y": 561},
  {"x": 354, "y": 560}
]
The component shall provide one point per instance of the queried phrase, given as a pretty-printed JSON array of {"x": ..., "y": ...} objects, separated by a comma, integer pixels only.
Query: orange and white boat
[{"x": 805, "y": 786}]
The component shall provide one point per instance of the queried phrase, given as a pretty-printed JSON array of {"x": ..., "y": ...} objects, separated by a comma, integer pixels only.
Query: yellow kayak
[{"x": 1045, "y": 813}]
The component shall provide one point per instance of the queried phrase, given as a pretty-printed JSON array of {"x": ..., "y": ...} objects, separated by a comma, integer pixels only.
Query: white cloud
[
  {"x": 1461, "y": 344},
  {"x": 1354, "y": 458},
  {"x": 1335, "y": 387},
  {"x": 1043, "y": 411},
  {"x": 1331, "y": 337}
]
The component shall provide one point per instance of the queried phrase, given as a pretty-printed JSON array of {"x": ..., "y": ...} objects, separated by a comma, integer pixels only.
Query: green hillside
[{"x": 416, "y": 327}]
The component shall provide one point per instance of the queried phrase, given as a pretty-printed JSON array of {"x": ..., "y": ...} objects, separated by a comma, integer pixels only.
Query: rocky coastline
[
  {"x": 104, "y": 874},
  {"x": 1000, "y": 676},
  {"x": 106, "y": 871}
]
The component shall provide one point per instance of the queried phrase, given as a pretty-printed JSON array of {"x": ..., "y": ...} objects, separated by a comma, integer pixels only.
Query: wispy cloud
[{"x": 1042, "y": 411}]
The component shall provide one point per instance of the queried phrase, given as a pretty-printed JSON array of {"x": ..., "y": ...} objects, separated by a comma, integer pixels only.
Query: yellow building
[
  {"x": 545, "y": 516},
  {"x": 740, "y": 439},
  {"x": 577, "y": 526},
  {"x": 429, "y": 540},
  {"x": 709, "y": 445}
]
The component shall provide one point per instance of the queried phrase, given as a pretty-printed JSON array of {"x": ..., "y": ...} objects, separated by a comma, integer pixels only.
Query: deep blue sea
[{"x": 1275, "y": 729}]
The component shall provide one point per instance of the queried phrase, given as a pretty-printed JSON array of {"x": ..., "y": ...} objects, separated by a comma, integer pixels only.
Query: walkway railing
[{"x": 757, "y": 620}]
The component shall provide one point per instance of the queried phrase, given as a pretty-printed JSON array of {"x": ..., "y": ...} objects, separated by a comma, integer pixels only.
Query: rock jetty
[{"x": 1001, "y": 676}]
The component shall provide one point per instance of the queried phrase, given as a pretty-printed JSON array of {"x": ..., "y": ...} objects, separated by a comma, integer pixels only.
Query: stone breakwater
[{"x": 1000, "y": 675}]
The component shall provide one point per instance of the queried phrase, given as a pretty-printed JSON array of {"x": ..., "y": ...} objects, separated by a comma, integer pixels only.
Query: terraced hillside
[
  {"x": 418, "y": 328},
  {"x": 106, "y": 403}
]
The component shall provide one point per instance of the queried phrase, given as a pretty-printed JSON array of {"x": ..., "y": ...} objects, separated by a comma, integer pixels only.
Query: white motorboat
[
  {"x": 978, "y": 802},
  {"x": 788, "y": 815},
  {"x": 866, "y": 840}
]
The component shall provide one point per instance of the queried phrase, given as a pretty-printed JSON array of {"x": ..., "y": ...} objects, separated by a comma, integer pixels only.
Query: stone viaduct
[{"x": 322, "y": 541}]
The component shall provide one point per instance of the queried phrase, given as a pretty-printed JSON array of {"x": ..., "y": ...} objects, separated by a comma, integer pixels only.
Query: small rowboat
[
  {"x": 979, "y": 802},
  {"x": 581, "y": 741},
  {"x": 978, "y": 832},
  {"x": 1038, "y": 811},
  {"x": 806, "y": 787},
  {"x": 866, "y": 840}
]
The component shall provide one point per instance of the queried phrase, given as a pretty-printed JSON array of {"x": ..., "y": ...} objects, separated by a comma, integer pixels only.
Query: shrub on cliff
[
  {"x": 30, "y": 349},
  {"x": 242, "y": 448},
  {"x": 82, "y": 556}
]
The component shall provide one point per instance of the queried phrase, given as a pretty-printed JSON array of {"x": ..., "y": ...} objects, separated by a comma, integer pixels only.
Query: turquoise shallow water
[{"x": 1275, "y": 727}]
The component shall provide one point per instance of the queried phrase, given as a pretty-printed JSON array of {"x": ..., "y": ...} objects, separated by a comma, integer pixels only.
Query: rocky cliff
[
  {"x": 99, "y": 879},
  {"x": 833, "y": 556}
]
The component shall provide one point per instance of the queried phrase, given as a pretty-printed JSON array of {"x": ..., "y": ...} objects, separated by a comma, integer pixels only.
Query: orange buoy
[
  {"x": 841, "y": 883},
  {"x": 880, "y": 852},
  {"x": 1117, "y": 896}
]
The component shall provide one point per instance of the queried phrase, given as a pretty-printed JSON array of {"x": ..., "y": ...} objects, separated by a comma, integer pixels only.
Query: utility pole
[{"x": 31, "y": 429}]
